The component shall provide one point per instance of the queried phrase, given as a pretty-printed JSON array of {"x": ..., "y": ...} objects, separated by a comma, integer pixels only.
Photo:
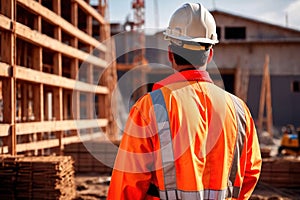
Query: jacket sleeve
[
  {"x": 132, "y": 171},
  {"x": 253, "y": 159}
]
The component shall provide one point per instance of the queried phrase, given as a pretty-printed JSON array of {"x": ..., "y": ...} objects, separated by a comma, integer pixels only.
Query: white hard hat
[{"x": 192, "y": 23}]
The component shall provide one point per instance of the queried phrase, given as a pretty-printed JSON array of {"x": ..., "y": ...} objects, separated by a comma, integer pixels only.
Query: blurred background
[{"x": 70, "y": 70}]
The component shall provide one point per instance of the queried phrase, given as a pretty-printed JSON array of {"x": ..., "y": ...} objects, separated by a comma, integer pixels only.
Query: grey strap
[
  {"x": 165, "y": 139},
  {"x": 240, "y": 139}
]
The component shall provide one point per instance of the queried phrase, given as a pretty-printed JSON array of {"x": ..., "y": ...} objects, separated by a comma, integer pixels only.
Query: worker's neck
[{"x": 180, "y": 68}]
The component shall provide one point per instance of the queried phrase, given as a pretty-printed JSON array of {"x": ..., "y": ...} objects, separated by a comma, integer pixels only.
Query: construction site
[{"x": 61, "y": 62}]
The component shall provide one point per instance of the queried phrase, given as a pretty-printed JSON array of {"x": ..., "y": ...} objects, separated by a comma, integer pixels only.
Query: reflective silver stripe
[
  {"x": 194, "y": 195},
  {"x": 215, "y": 194},
  {"x": 165, "y": 140},
  {"x": 168, "y": 194},
  {"x": 241, "y": 134}
]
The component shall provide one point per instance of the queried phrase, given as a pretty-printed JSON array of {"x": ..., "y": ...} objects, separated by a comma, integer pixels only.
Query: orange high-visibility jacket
[{"x": 191, "y": 140}]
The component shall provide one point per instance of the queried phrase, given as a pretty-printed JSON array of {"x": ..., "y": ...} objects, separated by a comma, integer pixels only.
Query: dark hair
[{"x": 184, "y": 56}]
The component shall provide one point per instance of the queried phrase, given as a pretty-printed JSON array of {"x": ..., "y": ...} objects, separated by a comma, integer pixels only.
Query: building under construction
[
  {"x": 57, "y": 74},
  {"x": 43, "y": 46}
]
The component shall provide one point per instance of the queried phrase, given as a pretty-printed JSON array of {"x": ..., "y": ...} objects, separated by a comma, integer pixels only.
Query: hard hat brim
[{"x": 189, "y": 39}]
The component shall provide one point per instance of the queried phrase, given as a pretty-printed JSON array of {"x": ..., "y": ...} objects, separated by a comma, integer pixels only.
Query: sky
[{"x": 278, "y": 12}]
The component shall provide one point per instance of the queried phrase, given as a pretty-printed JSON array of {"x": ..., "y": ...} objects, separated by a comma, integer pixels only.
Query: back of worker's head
[{"x": 192, "y": 33}]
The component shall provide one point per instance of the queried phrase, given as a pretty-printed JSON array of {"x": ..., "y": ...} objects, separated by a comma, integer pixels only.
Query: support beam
[
  {"x": 8, "y": 40},
  {"x": 265, "y": 101},
  {"x": 34, "y": 76},
  {"x": 58, "y": 114},
  {"x": 55, "y": 142},
  {"x": 58, "y": 92},
  {"x": 75, "y": 108},
  {"x": 24, "y": 102},
  {"x": 38, "y": 92},
  {"x": 9, "y": 111},
  {"x": 63, "y": 125},
  {"x": 38, "y": 89}
]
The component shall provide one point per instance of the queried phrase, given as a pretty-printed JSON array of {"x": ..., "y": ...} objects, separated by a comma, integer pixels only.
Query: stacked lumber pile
[
  {"x": 91, "y": 156},
  {"x": 281, "y": 172},
  {"x": 50, "y": 177}
]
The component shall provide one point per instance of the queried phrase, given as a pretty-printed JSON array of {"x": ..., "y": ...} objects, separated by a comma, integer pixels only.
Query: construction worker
[{"x": 188, "y": 138}]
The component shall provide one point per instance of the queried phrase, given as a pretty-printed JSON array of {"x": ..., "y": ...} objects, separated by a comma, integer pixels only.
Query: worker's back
[
  {"x": 204, "y": 127},
  {"x": 197, "y": 150},
  {"x": 204, "y": 131}
]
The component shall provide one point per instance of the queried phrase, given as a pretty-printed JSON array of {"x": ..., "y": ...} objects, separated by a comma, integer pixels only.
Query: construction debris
[{"x": 50, "y": 177}]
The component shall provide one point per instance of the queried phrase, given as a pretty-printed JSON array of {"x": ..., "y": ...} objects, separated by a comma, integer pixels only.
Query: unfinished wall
[
  {"x": 284, "y": 59},
  {"x": 254, "y": 29},
  {"x": 284, "y": 99},
  {"x": 43, "y": 45}
]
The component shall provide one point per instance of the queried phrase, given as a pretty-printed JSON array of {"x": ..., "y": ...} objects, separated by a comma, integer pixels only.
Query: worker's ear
[
  {"x": 170, "y": 55},
  {"x": 211, "y": 55}
]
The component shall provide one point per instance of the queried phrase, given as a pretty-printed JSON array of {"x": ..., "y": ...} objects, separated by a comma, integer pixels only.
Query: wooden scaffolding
[{"x": 43, "y": 44}]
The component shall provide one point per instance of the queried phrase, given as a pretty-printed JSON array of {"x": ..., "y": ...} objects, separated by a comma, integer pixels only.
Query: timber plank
[
  {"x": 58, "y": 81},
  {"x": 5, "y": 69},
  {"x": 4, "y": 130},
  {"x": 5, "y": 22},
  {"x": 53, "y": 126}
]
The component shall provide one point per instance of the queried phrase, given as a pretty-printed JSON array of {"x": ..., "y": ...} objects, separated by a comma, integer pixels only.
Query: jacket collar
[{"x": 189, "y": 75}]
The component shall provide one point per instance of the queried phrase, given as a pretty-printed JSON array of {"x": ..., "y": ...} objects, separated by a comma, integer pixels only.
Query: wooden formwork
[{"x": 43, "y": 45}]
